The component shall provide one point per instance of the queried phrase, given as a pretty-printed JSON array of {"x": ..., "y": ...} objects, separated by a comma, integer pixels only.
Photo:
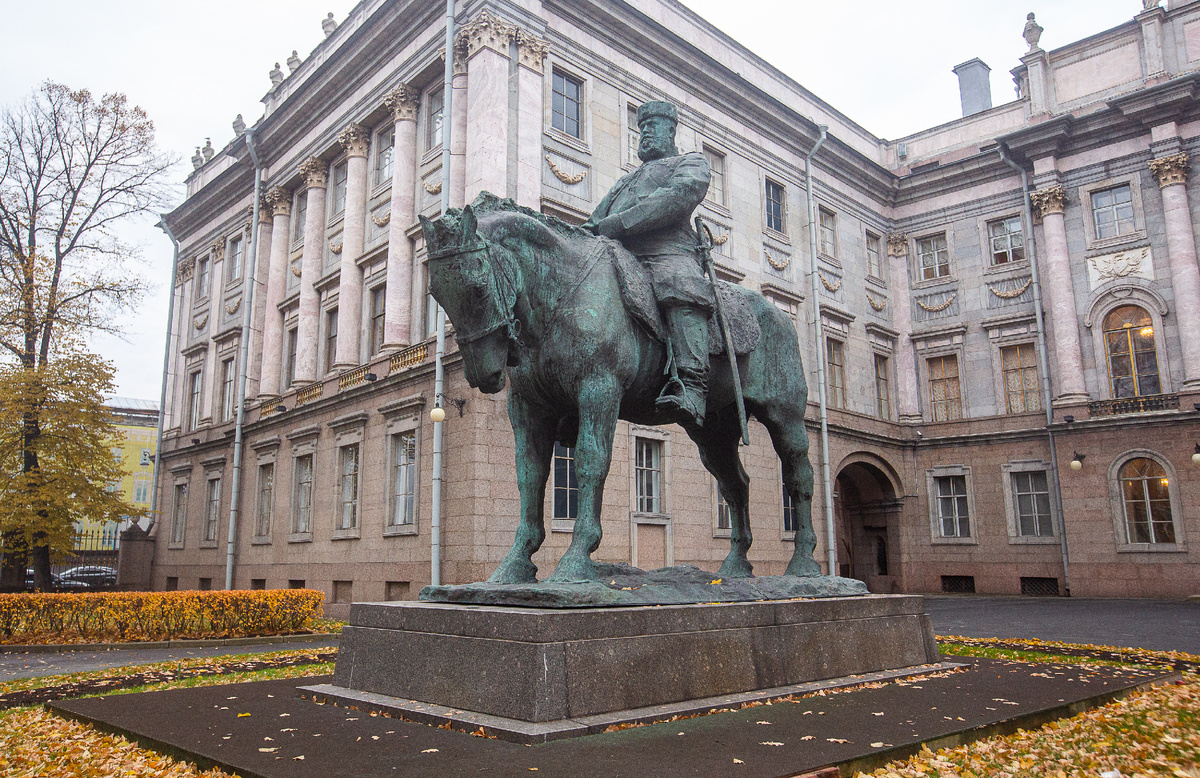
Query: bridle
[{"x": 509, "y": 322}]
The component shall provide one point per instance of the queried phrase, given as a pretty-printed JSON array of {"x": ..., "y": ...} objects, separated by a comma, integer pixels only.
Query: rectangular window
[
  {"x": 1021, "y": 386},
  {"x": 266, "y": 499},
  {"x": 648, "y": 475},
  {"x": 433, "y": 120},
  {"x": 827, "y": 221},
  {"x": 944, "y": 394},
  {"x": 378, "y": 303},
  {"x": 348, "y": 478},
  {"x": 952, "y": 506},
  {"x": 1006, "y": 240},
  {"x": 567, "y": 99},
  {"x": 566, "y": 487},
  {"x": 228, "y": 398},
  {"x": 724, "y": 514},
  {"x": 1032, "y": 497},
  {"x": 195, "y": 385},
  {"x": 293, "y": 337},
  {"x": 883, "y": 407},
  {"x": 331, "y": 335},
  {"x": 212, "y": 509},
  {"x": 633, "y": 133},
  {"x": 874, "y": 256},
  {"x": 385, "y": 151},
  {"x": 716, "y": 184},
  {"x": 404, "y": 479},
  {"x": 233, "y": 261},
  {"x": 299, "y": 214},
  {"x": 1112, "y": 212},
  {"x": 338, "y": 189},
  {"x": 789, "y": 512},
  {"x": 776, "y": 206},
  {"x": 836, "y": 373},
  {"x": 179, "y": 513},
  {"x": 934, "y": 257},
  {"x": 141, "y": 490},
  {"x": 203, "y": 274},
  {"x": 302, "y": 494}
]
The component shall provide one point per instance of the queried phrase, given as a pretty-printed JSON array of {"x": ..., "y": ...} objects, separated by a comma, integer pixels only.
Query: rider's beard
[{"x": 652, "y": 148}]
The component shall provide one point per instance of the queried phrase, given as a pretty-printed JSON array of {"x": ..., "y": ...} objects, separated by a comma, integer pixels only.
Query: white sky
[{"x": 193, "y": 67}]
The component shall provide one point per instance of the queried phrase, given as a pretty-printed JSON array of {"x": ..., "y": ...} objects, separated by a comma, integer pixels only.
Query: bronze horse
[{"x": 532, "y": 295}]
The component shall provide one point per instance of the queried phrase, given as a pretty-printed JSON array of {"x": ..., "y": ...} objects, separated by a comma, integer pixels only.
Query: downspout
[
  {"x": 162, "y": 396},
  {"x": 1043, "y": 368},
  {"x": 819, "y": 329},
  {"x": 439, "y": 376},
  {"x": 247, "y": 322}
]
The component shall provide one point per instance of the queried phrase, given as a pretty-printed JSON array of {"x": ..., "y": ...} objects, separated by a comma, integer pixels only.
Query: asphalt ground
[{"x": 265, "y": 729}]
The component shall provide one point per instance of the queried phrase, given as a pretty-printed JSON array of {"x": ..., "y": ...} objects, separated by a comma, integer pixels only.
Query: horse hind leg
[
  {"x": 790, "y": 438},
  {"x": 718, "y": 444}
]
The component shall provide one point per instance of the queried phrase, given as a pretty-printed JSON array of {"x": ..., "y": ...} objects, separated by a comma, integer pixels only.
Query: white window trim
[
  {"x": 935, "y": 519},
  {"x": 400, "y": 426},
  {"x": 1010, "y": 508},
  {"x": 880, "y": 280},
  {"x": 584, "y": 141},
  {"x": 773, "y": 234},
  {"x": 1117, "y": 501},
  {"x": 721, "y": 207},
  {"x": 1139, "y": 234},
  {"x": 557, "y": 524},
  {"x": 831, "y": 256}
]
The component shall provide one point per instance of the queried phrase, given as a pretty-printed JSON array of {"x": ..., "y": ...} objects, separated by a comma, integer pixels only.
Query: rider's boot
[{"x": 683, "y": 398}]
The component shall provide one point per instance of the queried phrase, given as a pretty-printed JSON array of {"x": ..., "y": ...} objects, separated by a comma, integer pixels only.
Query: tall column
[
  {"x": 216, "y": 290},
  {"x": 531, "y": 53},
  {"x": 487, "y": 39},
  {"x": 355, "y": 141},
  {"x": 280, "y": 202},
  {"x": 458, "y": 125},
  {"x": 1049, "y": 203},
  {"x": 176, "y": 379},
  {"x": 262, "y": 272},
  {"x": 316, "y": 177},
  {"x": 906, "y": 366},
  {"x": 397, "y": 314},
  {"x": 1171, "y": 173}
]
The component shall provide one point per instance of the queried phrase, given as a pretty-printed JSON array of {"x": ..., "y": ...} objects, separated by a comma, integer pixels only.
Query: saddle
[{"x": 637, "y": 294}]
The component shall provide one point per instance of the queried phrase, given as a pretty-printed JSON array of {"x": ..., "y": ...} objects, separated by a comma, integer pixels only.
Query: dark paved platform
[{"x": 284, "y": 735}]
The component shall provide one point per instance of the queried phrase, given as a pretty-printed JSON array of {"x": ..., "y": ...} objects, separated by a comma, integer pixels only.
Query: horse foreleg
[
  {"x": 534, "y": 434},
  {"x": 598, "y": 407},
  {"x": 718, "y": 444},
  {"x": 790, "y": 439}
]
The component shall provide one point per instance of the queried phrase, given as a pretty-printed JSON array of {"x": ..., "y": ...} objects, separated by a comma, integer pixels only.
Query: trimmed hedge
[{"x": 132, "y": 616}]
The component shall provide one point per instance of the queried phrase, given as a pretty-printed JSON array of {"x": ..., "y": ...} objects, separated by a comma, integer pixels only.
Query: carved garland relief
[
  {"x": 778, "y": 264},
  {"x": 1011, "y": 293},
  {"x": 940, "y": 306},
  {"x": 829, "y": 285},
  {"x": 876, "y": 305},
  {"x": 566, "y": 178}
]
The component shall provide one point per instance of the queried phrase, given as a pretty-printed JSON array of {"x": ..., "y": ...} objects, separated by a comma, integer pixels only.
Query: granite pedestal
[{"x": 534, "y": 666}]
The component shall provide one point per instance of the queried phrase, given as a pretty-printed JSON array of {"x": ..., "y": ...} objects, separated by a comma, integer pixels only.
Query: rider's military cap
[{"x": 657, "y": 108}]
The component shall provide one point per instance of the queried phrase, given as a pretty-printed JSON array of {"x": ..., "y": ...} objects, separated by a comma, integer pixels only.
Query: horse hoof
[
  {"x": 803, "y": 568},
  {"x": 575, "y": 570},
  {"x": 736, "y": 568},
  {"x": 514, "y": 573}
]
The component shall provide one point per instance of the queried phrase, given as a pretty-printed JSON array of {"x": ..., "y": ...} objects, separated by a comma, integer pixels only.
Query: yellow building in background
[{"x": 134, "y": 448}]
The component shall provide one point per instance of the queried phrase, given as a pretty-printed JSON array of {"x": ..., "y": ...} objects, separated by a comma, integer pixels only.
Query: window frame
[
  {"x": 376, "y": 332},
  {"x": 647, "y": 503},
  {"x": 338, "y": 188},
  {"x": 718, "y": 503},
  {"x": 933, "y": 499},
  {"x": 1135, "y": 374},
  {"x": 633, "y": 135},
  {"x": 1117, "y": 500},
  {"x": 928, "y": 388},
  {"x": 329, "y": 337},
  {"x": 835, "y": 373},
  {"x": 264, "y": 487},
  {"x": 299, "y": 215},
  {"x": 403, "y": 419},
  {"x": 1086, "y": 193},
  {"x": 433, "y": 105},
  {"x": 302, "y": 530},
  {"x": 883, "y": 401},
  {"x": 768, "y": 183},
  {"x": 879, "y": 270},
  {"x": 235, "y": 251},
  {"x": 557, "y": 522},
  {"x": 179, "y": 508},
  {"x": 195, "y": 398},
  {"x": 939, "y": 277},
  {"x": 203, "y": 277},
  {"x": 228, "y": 388},
  {"x": 1008, "y": 473},
  {"x": 1022, "y": 369},
  {"x": 351, "y": 452},
  {"x": 992, "y": 264},
  {"x": 556, "y": 73},
  {"x": 412, "y": 476},
  {"x": 382, "y": 173},
  {"x": 712, "y": 153},
  {"x": 827, "y": 242},
  {"x": 210, "y": 536}
]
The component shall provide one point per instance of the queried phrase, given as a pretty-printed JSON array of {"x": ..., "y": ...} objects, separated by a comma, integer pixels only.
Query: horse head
[{"x": 462, "y": 278}]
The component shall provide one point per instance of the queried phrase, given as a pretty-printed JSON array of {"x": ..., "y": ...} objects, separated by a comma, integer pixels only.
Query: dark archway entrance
[{"x": 868, "y": 526}]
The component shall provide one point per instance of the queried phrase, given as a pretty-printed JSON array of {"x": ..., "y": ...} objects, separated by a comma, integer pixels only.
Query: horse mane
[{"x": 488, "y": 203}]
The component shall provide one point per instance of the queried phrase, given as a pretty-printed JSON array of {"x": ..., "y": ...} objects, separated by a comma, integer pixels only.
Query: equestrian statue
[{"x": 613, "y": 320}]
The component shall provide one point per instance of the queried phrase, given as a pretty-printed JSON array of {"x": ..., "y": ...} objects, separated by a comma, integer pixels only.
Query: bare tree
[{"x": 72, "y": 168}]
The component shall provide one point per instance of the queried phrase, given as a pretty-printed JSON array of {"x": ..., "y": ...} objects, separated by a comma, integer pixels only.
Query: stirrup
[{"x": 680, "y": 403}]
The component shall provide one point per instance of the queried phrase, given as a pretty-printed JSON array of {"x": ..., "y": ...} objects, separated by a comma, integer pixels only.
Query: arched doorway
[{"x": 868, "y": 522}]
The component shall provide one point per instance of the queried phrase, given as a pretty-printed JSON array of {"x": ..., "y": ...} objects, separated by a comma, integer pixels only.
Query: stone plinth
[{"x": 541, "y": 666}]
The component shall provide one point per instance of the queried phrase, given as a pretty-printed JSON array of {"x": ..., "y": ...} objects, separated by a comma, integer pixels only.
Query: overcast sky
[{"x": 193, "y": 67}]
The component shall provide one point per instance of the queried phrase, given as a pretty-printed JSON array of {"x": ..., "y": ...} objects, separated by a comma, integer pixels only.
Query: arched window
[
  {"x": 1145, "y": 491},
  {"x": 1132, "y": 359}
]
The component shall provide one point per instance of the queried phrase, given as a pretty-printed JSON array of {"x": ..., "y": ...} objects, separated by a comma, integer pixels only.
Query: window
[
  {"x": 404, "y": 479},
  {"x": 952, "y": 506},
  {"x": 566, "y": 487},
  {"x": 648, "y": 475},
  {"x": 195, "y": 384},
  {"x": 567, "y": 98},
  {"x": 203, "y": 278},
  {"x": 1112, "y": 212},
  {"x": 724, "y": 513},
  {"x": 776, "y": 206},
  {"x": 302, "y": 495},
  {"x": 433, "y": 120},
  {"x": 1132, "y": 359},
  {"x": 882, "y": 405},
  {"x": 633, "y": 133},
  {"x": 944, "y": 393},
  {"x": 934, "y": 257},
  {"x": 118, "y": 454},
  {"x": 1031, "y": 494},
  {"x": 378, "y": 302},
  {"x": 212, "y": 510},
  {"x": 299, "y": 215},
  {"x": 266, "y": 493},
  {"x": 789, "y": 511},
  {"x": 293, "y": 337},
  {"x": 836, "y": 373},
  {"x": 385, "y": 151},
  {"x": 338, "y": 195},
  {"x": 348, "y": 478},
  {"x": 827, "y": 236},
  {"x": 716, "y": 184},
  {"x": 228, "y": 399},
  {"x": 874, "y": 256},
  {"x": 1146, "y": 495},
  {"x": 1021, "y": 386},
  {"x": 331, "y": 335},
  {"x": 141, "y": 490},
  {"x": 179, "y": 513},
  {"x": 1006, "y": 240}
]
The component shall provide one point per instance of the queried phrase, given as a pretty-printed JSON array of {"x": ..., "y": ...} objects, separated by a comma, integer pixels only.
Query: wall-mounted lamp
[
  {"x": 1196, "y": 456},
  {"x": 1068, "y": 419},
  {"x": 438, "y": 413},
  {"x": 1077, "y": 462},
  {"x": 370, "y": 377}
]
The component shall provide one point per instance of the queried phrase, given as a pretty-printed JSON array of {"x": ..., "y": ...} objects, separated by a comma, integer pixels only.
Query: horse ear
[
  {"x": 467, "y": 224},
  {"x": 427, "y": 230}
]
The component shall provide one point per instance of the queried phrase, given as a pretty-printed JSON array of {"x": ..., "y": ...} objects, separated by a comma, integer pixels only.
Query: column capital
[
  {"x": 485, "y": 31},
  {"x": 315, "y": 172},
  {"x": 183, "y": 273},
  {"x": 402, "y": 102},
  {"x": 531, "y": 50},
  {"x": 279, "y": 200},
  {"x": 218, "y": 249},
  {"x": 897, "y": 243},
  {"x": 1052, "y": 199},
  {"x": 1170, "y": 170},
  {"x": 355, "y": 140}
]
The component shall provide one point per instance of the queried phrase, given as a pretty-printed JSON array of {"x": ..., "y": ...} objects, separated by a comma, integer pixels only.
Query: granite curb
[{"x": 38, "y": 648}]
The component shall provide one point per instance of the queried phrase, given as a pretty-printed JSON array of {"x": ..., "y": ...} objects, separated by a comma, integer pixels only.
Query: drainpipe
[
  {"x": 1043, "y": 368},
  {"x": 162, "y": 396},
  {"x": 439, "y": 376},
  {"x": 819, "y": 330},
  {"x": 247, "y": 321}
]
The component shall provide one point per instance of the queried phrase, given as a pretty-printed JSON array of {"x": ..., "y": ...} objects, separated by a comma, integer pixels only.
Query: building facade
[
  {"x": 1036, "y": 254},
  {"x": 133, "y": 447}
]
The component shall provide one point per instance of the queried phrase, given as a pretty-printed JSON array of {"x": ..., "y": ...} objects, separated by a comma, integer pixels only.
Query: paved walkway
[
  {"x": 1159, "y": 625},
  {"x": 34, "y": 665}
]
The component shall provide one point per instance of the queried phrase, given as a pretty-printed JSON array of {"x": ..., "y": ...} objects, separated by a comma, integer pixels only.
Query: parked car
[
  {"x": 57, "y": 584},
  {"x": 90, "y": 576}
]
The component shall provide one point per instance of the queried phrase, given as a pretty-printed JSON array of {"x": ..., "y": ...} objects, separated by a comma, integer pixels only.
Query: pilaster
[
  {"x": 1048, "y": 205},
  {"x": 316, "y": 177},
  {"x": 1152, "y": 42},
  {"x": 531, "y": 56},
  {"x": 262, "y": 273},
  {"x": 486, "y": 42},
  {"x": 280, "y": 202},
  {"x": 907, "y": 392},
  {"x": 355, "y": 140}
]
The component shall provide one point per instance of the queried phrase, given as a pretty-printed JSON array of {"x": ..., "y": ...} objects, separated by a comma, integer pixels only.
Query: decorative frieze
[
  {"x": 897, "y": 243},
  {"x": 355, "y": 140},
  {"x": 485, "y": 31},
  {"x": 1052, "y": 199},
  {"x": 1170, "y": 170},
  {"x": 1130, "y": 263},
  {"x": 403, "y": 102},
  {"x": 315, "y": 172},
  {"x": 279, "y": 200}
]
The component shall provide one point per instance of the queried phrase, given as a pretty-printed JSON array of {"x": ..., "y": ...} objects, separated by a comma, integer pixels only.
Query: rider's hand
[
  {"x": 610, "y": 227},
  {"x": 591, "y": 227}
]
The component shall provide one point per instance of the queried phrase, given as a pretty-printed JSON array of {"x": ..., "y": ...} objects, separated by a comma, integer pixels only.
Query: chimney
[{"x": 974, "y": 86}]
